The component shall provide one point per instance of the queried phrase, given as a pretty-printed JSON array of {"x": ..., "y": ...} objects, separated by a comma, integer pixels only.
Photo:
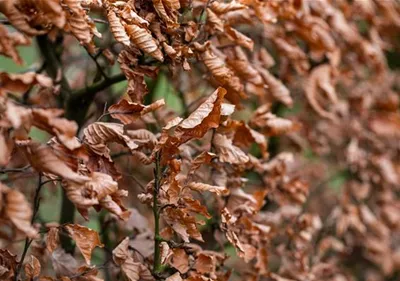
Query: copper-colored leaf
[
  {"x": 32, "y": 268},
  {"x": 174, "y": 277},
  {"x": 64, "y": 264},
  {"x": 127, "y": 112},
  {"x": 17, "y": 210},
  {"x": 221, "y": 72},
  {"x": 78, "y": 22},
  {"x": 18, "y": 19},
  {"x": 6, "y": 145},
  {"x": 132, "y": 270},
  {"x": 117, "y": 28},
  {"x": 204, "y": 118},
  {"x": 227, "y": 152},
  {"x": 143, "y": 40},
  {"x": 277, "y": 89},
  {"x": 204, "y": 264},
  {"x": 43, "y": 159},
  {"x": 49, "y": 121},
  {"x": 385, "y": 125},
  {"x": 180, "y": 260},
  {"x": 219, "y": 190},
  {"x": 214, "y": 21},
  {"x": 9, "y": 41},
  {"x": 239, "y": 38},
  {"x": 8, "y": 265},
  {"x": 99, "y": 134},
  {"x": 20, "y": 82},
  {"x": 100, "y": 189},
  {"x": 321, "y": 78},
  {"x": 52, "y": 239},
  {"x": 86, "y": 239},
  {"x": 184, "y": 224},
  {"x": 222, "y": 8}
]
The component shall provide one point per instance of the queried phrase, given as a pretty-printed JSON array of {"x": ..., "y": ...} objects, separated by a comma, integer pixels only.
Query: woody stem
[
  {"x": 156, "y": 213},
  {"x": 28, "y": 241}
]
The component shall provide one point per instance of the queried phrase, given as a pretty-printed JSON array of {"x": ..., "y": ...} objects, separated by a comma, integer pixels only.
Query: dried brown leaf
[
  {"x": 78, "y": 22},
  {"x": 220, "y": 72},
  {"x": 18, "y": 19},
  {"x": 8, "y": 265},
  {"x": 49, "y": 121},
  {"x": 223, "y": 8},
  {"x": 205, "y": 264},
  {"x": 99, "y": 134},
  {"x": 180, "y": 260},
  {"x": 321, "y": 78},
  {"x": 239, "y": 38},
  {"x": 52, "y": 239},
  {"x": 142, "y": 38},
  {"x": 227, "y": 152},
  {"x": 86, "y": 239},
  {"x": 132, "y": 270},
  {"x": 117, "y": 28},
  {"x": 174, "y": 277},
  {"x": 17, "y": 210},
  {"x": 32, "y": 268},
  {"x": 43, "y": 159},
  {"x": 127, "y": 111},
  {"x": 219, "y": 190},
  {"x": 9, "y": 43},
  {"x": 277, "y": 89},
  {"x": 63, "y": 264},
  {"x": 204, "y": 118},
  {"x": 19, "y": 83}
]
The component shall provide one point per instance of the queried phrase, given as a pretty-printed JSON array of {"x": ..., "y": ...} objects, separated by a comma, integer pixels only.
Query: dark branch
[
  {"x": 15, "y": 170},
  {"x": 28, "y": 241}
]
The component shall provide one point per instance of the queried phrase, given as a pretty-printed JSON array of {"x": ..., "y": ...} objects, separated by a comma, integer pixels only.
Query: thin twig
[
  {"x": 28, "y": 241},
  {"x": 100, "y": 21},
  {"x": 51, "y": 180},
  {"x": 184, "y": 104},
  {"x": 88, "y": 271},
  {"x": 204, "y": 10},
  {"x": 135, "y": 180},
  {"x": 25, "y": 96},
  {"x": 194, "y": 102},
  {"x": 15, "y": 170},
  {"x": 115, "y": 112},
  {"x": 166, "y": 206},
  {"x": 99, "y": 67},
  {"x": 5, "y": 21},
  {"x": 202, "y": 23},
  {"x": 137, "y": 251},
  {"x": 119, "y": 154},
  {"x": 99, "y": 86}
]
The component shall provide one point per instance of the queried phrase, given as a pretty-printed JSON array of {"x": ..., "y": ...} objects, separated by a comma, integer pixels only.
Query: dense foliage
[{"x": 200, "y": 140}]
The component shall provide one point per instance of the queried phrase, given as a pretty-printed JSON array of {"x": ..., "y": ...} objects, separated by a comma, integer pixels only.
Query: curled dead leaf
[
  {"x": 52, "y": 239},
  {"x": 142, "y": 38},
  {"x": 49, "y": 121},
  {"x": 127, "y": 111},
  {"x": 19, "y": 83},
  {"x": 32, "y": 268},
  {"x": 17, "y": 210},
  {"x": 227, "y": 152},
  {"x": 43, "y": 159},
  {"x": 219, "y": 190},
  {"x": 99, "y": 134}
]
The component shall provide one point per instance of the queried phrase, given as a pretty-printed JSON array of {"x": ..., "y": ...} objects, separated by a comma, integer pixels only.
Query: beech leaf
[{"x": 86, "y": 239}]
